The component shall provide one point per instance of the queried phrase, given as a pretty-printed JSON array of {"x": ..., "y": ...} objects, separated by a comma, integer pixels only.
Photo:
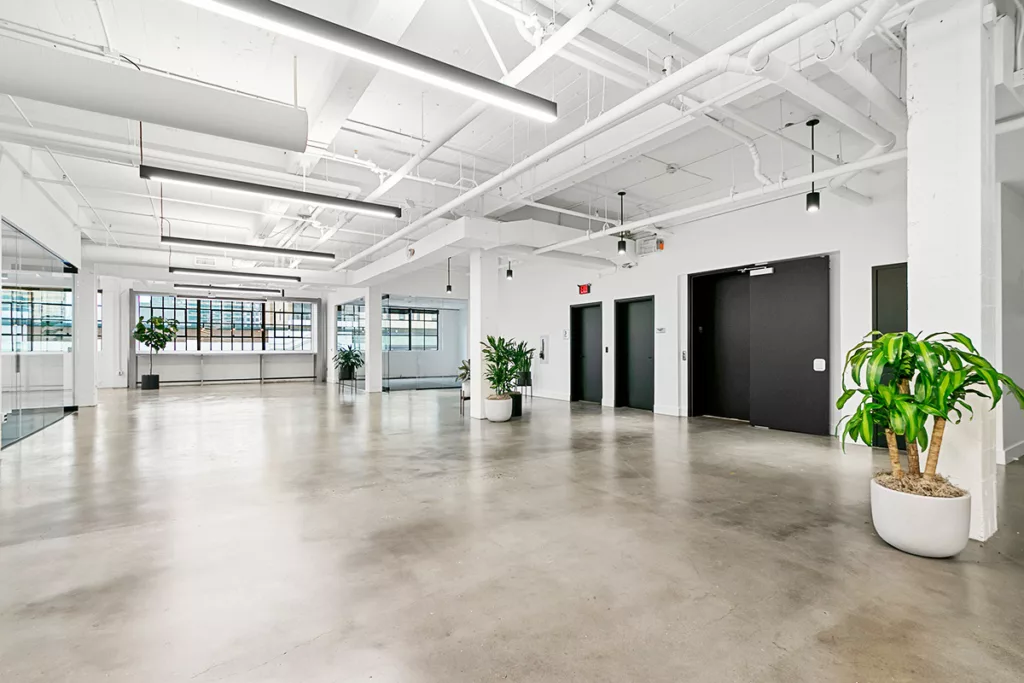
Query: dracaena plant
[
  {"x": 904, "y": 379},
  {"x": 499, "y": 369}
]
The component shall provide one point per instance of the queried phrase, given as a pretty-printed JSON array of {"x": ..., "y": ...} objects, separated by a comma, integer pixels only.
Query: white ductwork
[
  {"x": 51, "y": 75},
  {"x": 731, "y": 199}
]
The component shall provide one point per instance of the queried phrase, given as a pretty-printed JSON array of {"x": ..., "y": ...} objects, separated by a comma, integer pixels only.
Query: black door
[
  {"x": 720, "y": 343},
  {"x": 789, "y": 346},
  {"x": 889, "y": 314},
  {"x": 634, "y": 355},
  {"x": 585, "y": 343}
]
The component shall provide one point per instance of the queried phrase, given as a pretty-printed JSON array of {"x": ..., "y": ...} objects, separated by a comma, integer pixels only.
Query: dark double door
[
  {"x": 585, "y": 335},
  {"x": 760, "y": 344}
]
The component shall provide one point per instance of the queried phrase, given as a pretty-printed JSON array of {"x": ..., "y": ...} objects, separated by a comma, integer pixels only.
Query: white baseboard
[
  {"x": 551, "y": 395},
  {"x": 674, "y": 411},
  {"x": 1012, "y": 453}
]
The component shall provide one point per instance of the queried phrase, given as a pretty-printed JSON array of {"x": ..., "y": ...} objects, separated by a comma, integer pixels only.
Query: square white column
[
  {"x": 483, "y": 321},
  {"x": 374, "y": 357},
  {"x": 952, "y": 232},
  {"x": 85, "y": 338}
]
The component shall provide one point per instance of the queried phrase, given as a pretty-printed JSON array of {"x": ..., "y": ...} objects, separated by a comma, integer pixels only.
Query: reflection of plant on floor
[
  {"x": 903, "y": 380},
  {"x": 498, "y": 367},
  {"x": 155, "y": 334}
]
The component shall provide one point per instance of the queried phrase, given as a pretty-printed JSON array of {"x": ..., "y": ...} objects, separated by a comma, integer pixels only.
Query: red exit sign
[{"x": 584, "y": 289}]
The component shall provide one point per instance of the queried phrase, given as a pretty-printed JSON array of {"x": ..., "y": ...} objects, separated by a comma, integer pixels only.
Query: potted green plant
[
  {"x": 155, "y": 334},
  {"x": 522, "y": 363},
  {"x": 464, "y": 377},
  {"x": 919, "y": 512},
  {"x": 347, "y": 360},
  {"x": 500, "y": 375}
]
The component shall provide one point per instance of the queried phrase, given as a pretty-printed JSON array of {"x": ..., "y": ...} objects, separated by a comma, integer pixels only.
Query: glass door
[{"x": 37, "y": 336}]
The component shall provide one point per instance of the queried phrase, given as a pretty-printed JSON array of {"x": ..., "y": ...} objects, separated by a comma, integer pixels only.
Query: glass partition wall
[{"x": 37, "y": 340}]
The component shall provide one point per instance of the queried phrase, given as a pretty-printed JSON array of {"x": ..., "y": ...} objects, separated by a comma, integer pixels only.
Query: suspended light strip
[
  {"x": 237, "y": 290},
  {"x": 307, "y": 28},
  {"x": 234, "y": 273},
  {"x": 164, "y": 175},
  {"x": 247, "y": 248}
]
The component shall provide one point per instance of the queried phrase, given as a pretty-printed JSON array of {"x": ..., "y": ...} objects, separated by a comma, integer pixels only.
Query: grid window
[
  {"x": 410, "y": 329},
  {"x": 231, "y": 324},
  {"x": 37, "y": 320},
  {"x": 289, "y": 326},
  {"x": 351, "y": 327}
]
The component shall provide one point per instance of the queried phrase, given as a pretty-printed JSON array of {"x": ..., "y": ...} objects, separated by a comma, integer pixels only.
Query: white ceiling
[{"x": 394, "y": 115}]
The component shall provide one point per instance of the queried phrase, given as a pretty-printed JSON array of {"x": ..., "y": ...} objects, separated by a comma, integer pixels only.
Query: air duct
[{"x": 58, "y": 77}]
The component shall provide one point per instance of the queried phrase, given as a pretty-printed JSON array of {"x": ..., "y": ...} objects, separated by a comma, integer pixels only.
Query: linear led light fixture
[
  {"x": 233, "y": 273},
  {"x": 165, "y": 175},
  {"x": 246, "y": 248},
  {"x": 307, "y": 28},
  {"x": 237, "y": 290}
]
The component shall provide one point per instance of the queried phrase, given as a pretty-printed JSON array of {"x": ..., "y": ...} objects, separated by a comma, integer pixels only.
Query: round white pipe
[
  {"x": 590, "y": 65},
  {"x": 804, "y": 18},
  {"x": 740, "y": 196},
  {"x": 743, "y": 139},
  {"x": 716, "y": 60}
]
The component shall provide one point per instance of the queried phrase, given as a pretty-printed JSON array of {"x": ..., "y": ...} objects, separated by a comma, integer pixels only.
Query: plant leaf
[{"x": 847, "y": 395}]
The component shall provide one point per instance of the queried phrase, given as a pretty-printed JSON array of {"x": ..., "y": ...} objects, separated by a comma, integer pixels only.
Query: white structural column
[
  {"x": 374, "y": 357},
  {"x": 483, "y": 321},
  {"x": 85, "y": 338},
  {"x": 952, "y": 232}
]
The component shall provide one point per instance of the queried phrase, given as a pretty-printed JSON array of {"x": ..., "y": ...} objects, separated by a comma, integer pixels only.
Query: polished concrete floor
[{"x": 289, "y": 533}]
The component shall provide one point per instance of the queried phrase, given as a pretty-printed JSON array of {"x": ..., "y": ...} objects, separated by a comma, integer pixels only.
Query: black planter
[
  {"x": 525, "y": 379},
  {"x": 346, "y": 373},
  {"x": 150, "y": 382},
  {"x": 517, "y": 404}
]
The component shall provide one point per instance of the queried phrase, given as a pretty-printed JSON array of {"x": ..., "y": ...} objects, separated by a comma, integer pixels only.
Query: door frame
[
  {"x": 621, "y": 384},
  {"x": 573, "y": 367}
]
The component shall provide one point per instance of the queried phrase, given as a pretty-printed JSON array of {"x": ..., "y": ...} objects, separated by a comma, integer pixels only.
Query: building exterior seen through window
[
  {"x": 402, "y": 329},
  {"x": 36, "y": 320},
  {"x": 232, "y": 324},
  {"x": 99, "y": 319}
]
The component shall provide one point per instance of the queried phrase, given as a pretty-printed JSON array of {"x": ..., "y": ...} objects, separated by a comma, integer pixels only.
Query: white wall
[
  {"x": 112, "y": 359},
  {"x": 47, "y": 219},
  {"x": 1012, "y": 362},
  {"x": 537, "y": 301}
]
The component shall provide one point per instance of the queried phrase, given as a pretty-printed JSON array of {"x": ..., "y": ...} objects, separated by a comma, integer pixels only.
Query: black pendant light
[
  {"x": 448, "y": 288},
  {"x": 622, "y": 221},
  {"x": 813, "y": 197},
  {"x": 508, "y": 273}
]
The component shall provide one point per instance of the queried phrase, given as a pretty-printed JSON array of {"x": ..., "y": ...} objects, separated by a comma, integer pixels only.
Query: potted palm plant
[
  {"x": 155, "y": 334},
  {"x": 522, "y": 362},
  {"x": 919, "y": 512},
  {"x": 500, "y": 375},
  {"x": 347, "y": 360},
  {"x": 464, "y": 377}
]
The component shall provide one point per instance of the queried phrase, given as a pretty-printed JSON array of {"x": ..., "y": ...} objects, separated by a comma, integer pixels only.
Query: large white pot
[
  {"x": 921, "y": 525},
  {"x": 498, "y": 409}
]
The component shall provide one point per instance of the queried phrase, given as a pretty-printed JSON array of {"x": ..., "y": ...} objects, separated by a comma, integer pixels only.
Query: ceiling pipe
[
  {"x": 59, "y": 77},
  {"x": 522, "y": 253},
  {"x": 790, "y": 183},
  {"x": 101, "y": 149},
  {"x": 517, "y": 75},
  {"x": 716, "y": 61}
]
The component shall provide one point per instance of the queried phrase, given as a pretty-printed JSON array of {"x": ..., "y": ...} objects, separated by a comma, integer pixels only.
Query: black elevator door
[
  {"x": 721, "y": 336},
  {"x": 789, "y": 347},
  {"x": 640, "y": 354},
  {"x": 586, "y": 345}
]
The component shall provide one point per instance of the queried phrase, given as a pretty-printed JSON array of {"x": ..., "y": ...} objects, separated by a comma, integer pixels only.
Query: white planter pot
[
  {"x": 465, "y": 388},
  {"x": 920, "y": 525},
  {"x": 498, "y": 409}
]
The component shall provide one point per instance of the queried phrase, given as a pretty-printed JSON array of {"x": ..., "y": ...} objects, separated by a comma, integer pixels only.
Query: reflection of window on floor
[
  {"x": 232, "y": 324},
  {"x": 37, "y": 320},
  {"x": 99, "y": 319},
  {"x": 402, "y": 329}
]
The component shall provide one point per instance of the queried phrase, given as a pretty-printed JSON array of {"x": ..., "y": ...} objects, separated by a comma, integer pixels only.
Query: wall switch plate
[{"x": 819, "y": 365}]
